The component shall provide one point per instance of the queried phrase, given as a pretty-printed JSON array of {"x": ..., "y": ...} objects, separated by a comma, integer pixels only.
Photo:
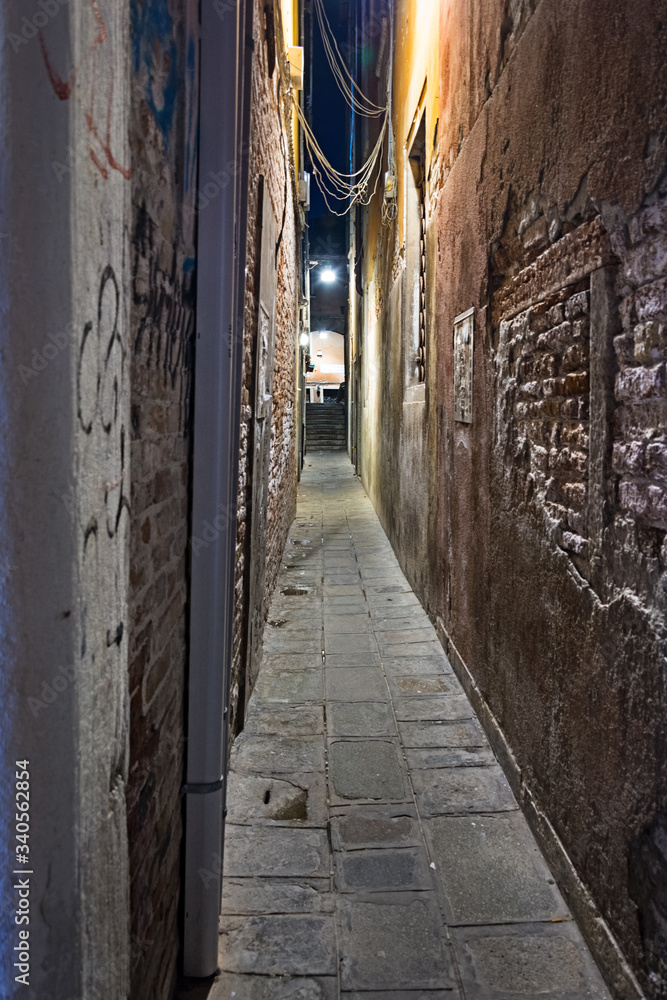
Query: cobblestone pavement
[{"x": 374, "y": 848}]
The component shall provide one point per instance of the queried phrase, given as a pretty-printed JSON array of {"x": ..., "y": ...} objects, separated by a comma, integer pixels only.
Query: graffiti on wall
[{"x": 99, "y": 61}]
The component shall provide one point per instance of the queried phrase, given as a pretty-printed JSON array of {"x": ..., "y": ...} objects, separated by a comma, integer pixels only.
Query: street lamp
[{"x": 328, "y": 275}]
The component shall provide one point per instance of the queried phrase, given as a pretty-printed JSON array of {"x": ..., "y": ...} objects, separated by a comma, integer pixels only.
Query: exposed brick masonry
[
  {"x": 161, "y": 364},
  {"x": 268, "y": 158},
  {"x": 549, "y": 359},
  {"x": 640, "y": 444}
]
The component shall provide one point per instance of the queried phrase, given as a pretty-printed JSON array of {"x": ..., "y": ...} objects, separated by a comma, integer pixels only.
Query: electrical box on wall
[
  {"x": 295, "y": 58},
  {"x": 390, "y": 186},
  {"x": 304, "y": 190}
]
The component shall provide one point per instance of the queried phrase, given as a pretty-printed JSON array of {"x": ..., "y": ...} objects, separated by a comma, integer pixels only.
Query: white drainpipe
[{"x": 223, "y": 153}]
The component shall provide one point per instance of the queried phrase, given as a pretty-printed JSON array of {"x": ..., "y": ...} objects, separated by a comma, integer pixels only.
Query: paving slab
[
  {"x": 346, "y": 624},
  {"x": 295, "y": 609},
  {"x": 548, "y": 961},
  {"x": 424, "y": 684},
  {"x": 360, "y": 658},
  {"x": 265, "y": 895},
  {"x": 297, "y": 575},
  {"x": 411, "y": 649},
  {"x": 292, "y": 798},
  {"x": 360, "y": 718},
  {"x": 300, "y": 601},
  {"x": 338, "y": 607},
  {"x": 462, "y": 790},
  {"x": 308, "y": 641},
  {"x": 349, "y": 643},
  {"x": 402, "y": 600},
  {"x": 381, "y": 575},
  {"x": 492, "y": 870},
  {"x": 303, "y": 720},
  {"x": 403, "y": 618},
  {"x": 433, "y": 757},
  {"x": 403, "y": 636},
  {"x": 356, "y": 684},
  {"x": 468, "y": 733},
  {"x": 291, "y": 661},
  {"x": 382, "y": 871},
  {"x": 252, "y": 851},
  {"x": 290, "y": 686},
  {"x": 231, "y": 987},
  {"x": 281, "y": 622},
  {"x": 402, "y": 995},
  {"x": 366, "y": 769},
  {"x": 392, "y": 941},
  {"x": 402, "y": 665},
  {"x": 279, "y": 944},
  {"x": 357, "y": 827},
  {"x": 435, "y": 707},
  {"x": 277, "y": 754},
  {"x": 297, "y": 590}
]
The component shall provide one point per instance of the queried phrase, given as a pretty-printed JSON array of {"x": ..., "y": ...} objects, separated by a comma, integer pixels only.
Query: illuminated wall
[{"x": 535, "y": 529}]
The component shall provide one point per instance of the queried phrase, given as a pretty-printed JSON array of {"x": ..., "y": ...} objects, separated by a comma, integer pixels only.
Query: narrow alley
[
  {"x": 373, "y": 842},
  {"x": 333, "y": 500}
]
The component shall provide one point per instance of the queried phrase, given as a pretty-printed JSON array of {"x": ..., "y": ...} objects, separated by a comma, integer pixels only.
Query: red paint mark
[
  {"x": 105, "y": 140},
  {"x": 102, "y": 37},
  {"x": 100, "y": 166},
  {"x": 63, "y": 90}
]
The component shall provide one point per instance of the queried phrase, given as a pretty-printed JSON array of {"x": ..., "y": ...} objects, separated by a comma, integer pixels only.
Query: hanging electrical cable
[
  {"x": 353, "y": 188},
  {"x": 344, "y": 79},
  {"x": 356, "y": 187}
]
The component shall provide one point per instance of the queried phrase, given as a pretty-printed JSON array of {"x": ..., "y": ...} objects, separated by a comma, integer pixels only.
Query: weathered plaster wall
[
  {"x": 163, "y": 147},
  {"x": 269, "y": 158},
  {"x": 542, "y": 547},
  {"x": 64, "y": 209}
]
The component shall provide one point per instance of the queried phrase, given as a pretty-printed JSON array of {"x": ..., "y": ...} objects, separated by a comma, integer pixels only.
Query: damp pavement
[{"x": 374, "y": 849}]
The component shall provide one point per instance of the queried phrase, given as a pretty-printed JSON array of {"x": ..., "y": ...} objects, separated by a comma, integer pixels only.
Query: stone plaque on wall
[{"x": 463, "y": 354}]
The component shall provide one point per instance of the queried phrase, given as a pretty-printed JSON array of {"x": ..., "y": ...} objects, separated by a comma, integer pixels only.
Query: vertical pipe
[{"x": 224, "y": 134}]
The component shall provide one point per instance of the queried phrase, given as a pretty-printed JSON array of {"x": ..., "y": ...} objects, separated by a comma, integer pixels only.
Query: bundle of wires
[
  {"x": 344, "y": 80},
  {"x": 357, "y": 187}
]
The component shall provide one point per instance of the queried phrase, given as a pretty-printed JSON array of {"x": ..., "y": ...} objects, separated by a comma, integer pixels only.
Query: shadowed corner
[{"x": 195, "y": 989}]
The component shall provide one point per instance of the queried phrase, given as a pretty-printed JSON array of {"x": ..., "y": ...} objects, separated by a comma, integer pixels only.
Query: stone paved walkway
[{"x": 374, "y": 848}]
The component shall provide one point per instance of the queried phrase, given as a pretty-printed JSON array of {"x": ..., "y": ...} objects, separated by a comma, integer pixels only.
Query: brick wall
[
  {"x": 640, "y": 445},
  {"x": 581, "y": 412},
  {"x": 548, "y": 359},
  {"x": 536, "y": 534},
  {"x": 268, "y": 158},
  {"x": 162, "y": 138},
  {"x": 638, "y": 535}
]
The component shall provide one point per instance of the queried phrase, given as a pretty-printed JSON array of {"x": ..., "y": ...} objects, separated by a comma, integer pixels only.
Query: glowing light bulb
[
  {"x": 328, "y": 275},
  {"x": 323, "y": 335}
]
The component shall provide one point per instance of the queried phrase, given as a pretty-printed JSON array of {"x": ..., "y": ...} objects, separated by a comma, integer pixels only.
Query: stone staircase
[{"x": 326, "y": 427}]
